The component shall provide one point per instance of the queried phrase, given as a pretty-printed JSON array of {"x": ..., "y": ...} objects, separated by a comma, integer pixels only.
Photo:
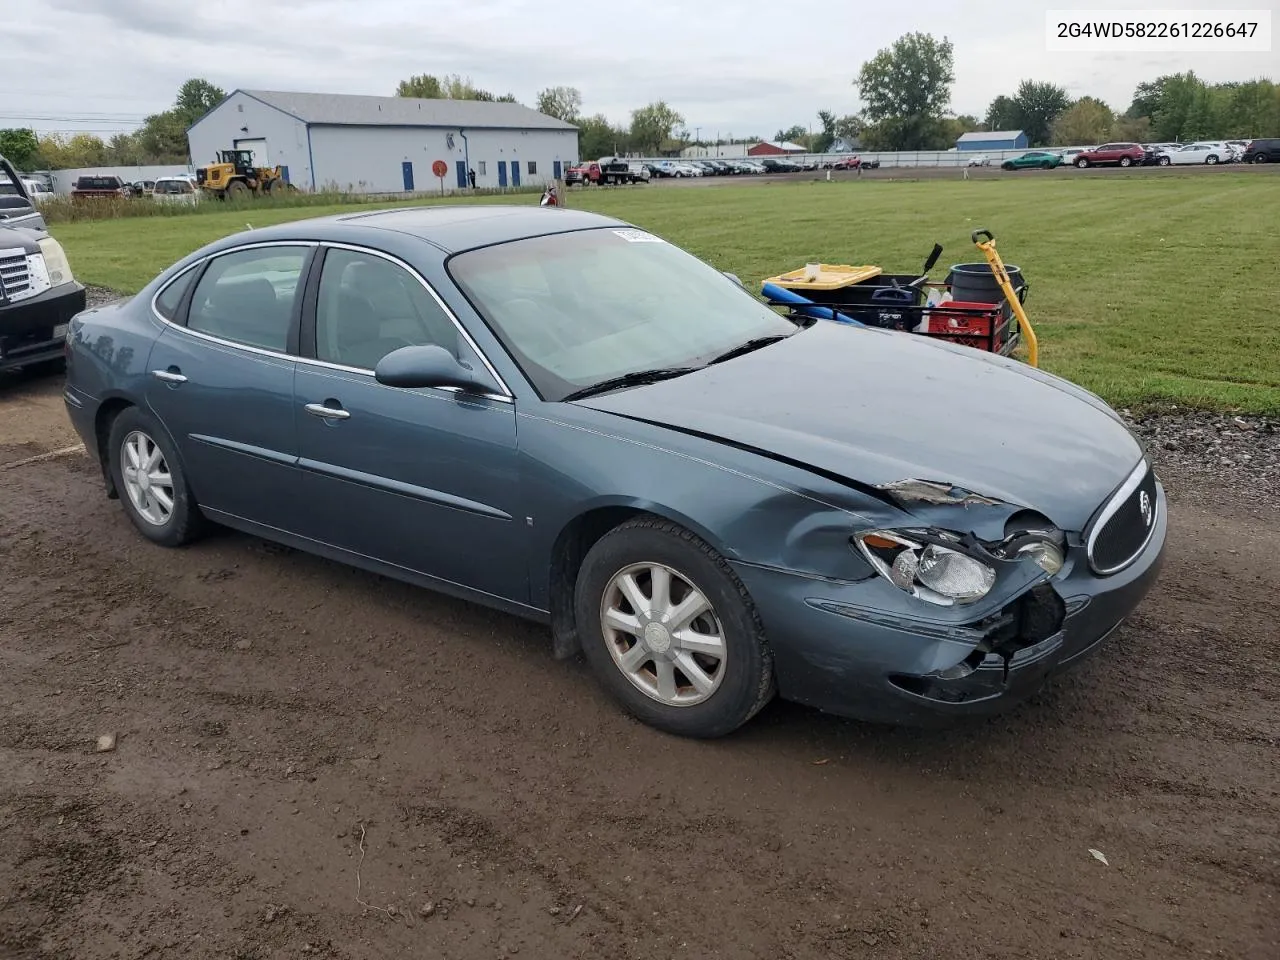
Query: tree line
[{"x": 905, "y": 89}]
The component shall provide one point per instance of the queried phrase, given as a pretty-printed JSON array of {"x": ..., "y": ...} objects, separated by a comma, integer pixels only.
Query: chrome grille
[
  {"x": 15, "y": 274},
  {"x": 1125, "y": 524}
]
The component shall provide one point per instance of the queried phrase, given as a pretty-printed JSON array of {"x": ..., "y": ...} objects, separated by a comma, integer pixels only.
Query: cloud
[{"x": 750, "y": 67}]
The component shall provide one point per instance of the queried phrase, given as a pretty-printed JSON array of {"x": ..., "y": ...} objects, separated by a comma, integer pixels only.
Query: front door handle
[
  {"x": 328, "y": 413},
  {"x": 169, "y": 376}
]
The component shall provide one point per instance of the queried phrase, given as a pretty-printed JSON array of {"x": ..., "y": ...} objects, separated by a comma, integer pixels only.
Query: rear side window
[
  {"x": 171, "y": 296},
  {"x": 248, "y": 296}
]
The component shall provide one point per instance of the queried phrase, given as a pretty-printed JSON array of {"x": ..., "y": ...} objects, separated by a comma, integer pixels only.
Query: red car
[{"x": 1124, "y": 154}]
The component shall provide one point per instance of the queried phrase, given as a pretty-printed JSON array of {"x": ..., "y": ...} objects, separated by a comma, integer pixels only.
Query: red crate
[{"x": 945, "y": 320}]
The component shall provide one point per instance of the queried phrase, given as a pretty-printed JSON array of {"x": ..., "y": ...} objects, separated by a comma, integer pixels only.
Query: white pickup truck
[{"x": 38, "y": 294}]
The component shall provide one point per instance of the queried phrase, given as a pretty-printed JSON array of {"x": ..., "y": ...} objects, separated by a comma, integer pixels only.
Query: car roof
[{"x": 456, "y": 227}]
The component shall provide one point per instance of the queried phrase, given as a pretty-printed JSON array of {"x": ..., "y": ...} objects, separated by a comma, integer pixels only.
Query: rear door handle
[
  {"x": 328, "y": 413},
  {"x": 168, "y": 376}
]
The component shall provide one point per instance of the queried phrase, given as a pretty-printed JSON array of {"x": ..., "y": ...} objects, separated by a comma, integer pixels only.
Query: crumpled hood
[{"x": 878, "y": 407}]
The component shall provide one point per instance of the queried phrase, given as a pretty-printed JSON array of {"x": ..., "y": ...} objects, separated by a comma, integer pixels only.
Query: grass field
[{"x": 1141, "y": 289}]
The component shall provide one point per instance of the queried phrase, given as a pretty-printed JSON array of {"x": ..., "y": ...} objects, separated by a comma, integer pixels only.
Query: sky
[{"x": 102, "y": 65}]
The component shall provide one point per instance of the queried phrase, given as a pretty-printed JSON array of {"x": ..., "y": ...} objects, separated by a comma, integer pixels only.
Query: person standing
[{"x": 471, "y": 175}]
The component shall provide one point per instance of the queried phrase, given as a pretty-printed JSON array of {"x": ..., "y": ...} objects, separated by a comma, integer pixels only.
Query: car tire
[
  {"x": 1165, "y": 161},
  {"x": 641, "y": 663},
  {"x": 1210, "y": 160},
  {"x": 179, "y": 523},
  {"x": 1260, "y": 158},
  {"x": 1006, "y": 166},
  {"x": 1081, "y": 162},
  {"x": 1125, "y": 161}
]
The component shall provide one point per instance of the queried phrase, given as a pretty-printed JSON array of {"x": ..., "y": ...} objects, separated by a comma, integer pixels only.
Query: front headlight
[
  {"x": 55, "y": 261},
  {"x": 933, "y": 572}
]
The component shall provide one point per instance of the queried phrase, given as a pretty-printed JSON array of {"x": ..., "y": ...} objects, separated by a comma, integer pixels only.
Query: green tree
[
  {"x": 1132, "y": 130},
  {"x": 1036, "y": 105},
  {"x": 1002, "y": 114},
  {"x": 197, "y": 97},
  {"x": 21, "y": 148},
  {"x": 423, "y": 86},
  {"x": 61, "y": 152},
  {"x": 1087, "y": 121},
  {"x": 907, "y": 89},
  {"x": 125, "y": 150},
  {"x": 1177, "y": 99},
  {"x": 651, "y": 126},
  {"x": 597, "y": 137},
  {"x": 821, "y": 142},
  {"x": 562, "y": 102},
  {"x": 793, "y": 134},
  {"x": 849, "y": 128},
  {"x": 1253, "y": 110},
  {"x": 163, "y": 138}
]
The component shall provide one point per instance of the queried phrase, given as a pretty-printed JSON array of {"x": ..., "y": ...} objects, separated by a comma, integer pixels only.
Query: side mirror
[
  {"x": 426, "y": 366},
  {"x": 735, "y": 278}
]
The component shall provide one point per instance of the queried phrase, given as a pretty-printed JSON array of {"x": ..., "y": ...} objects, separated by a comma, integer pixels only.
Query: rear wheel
[
  {"x": 153, "y": 485},
  {"x": 1165, "y": 161},
  {"x": 670, "y": 630},
  {"x": 1211, "y": 159}
]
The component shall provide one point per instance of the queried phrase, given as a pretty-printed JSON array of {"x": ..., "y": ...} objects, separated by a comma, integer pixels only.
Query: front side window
[
  {"x": 369, "y": 306},
  {"x": 575, "y": 309},
  {"x": 248, "y": 296}
]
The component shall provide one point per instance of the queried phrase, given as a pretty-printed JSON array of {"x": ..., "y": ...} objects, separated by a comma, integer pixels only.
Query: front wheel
[
  {"x": 145, "y": 469},
  {"x": 671, "y": 631},
  {"x": 1082, "y": 163},
  {"x": 1125, "y": 161}
]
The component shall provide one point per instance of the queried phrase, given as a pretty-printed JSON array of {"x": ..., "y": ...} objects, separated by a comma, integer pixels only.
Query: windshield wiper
[
  {"x": 747, "y": 347},
  {"x": 634, "y": 379}
]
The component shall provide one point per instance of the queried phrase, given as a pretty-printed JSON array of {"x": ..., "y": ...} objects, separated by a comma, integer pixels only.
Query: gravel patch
[{"x": 98, "y": 296}]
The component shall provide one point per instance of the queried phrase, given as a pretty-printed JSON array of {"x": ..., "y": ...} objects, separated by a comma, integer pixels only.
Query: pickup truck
[
  {"x": 608, "y": 170},
  {"x": 38, "y": 294},
  {"x": 95, "y": 187}
]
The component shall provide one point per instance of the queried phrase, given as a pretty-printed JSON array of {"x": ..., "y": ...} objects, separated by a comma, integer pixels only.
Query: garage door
[{"x": 261, "y": 158}]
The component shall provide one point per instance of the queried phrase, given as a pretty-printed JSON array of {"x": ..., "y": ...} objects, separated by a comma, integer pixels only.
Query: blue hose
[{"x": 804, "y": 306}]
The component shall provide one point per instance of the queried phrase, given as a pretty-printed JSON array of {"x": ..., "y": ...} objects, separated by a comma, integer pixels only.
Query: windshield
[{"x": 576, "y": 309}]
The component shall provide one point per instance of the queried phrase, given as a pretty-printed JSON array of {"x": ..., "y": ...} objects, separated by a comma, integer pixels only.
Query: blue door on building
[
  {"x": 555, "y": 170},
  {"x": 502, "y": 173},
  {"x": 461, "y": 166},
  {"x": 407, "y": 169},
  {"x": 515, "y": 173},
  {"x": 284, "y": 173}
]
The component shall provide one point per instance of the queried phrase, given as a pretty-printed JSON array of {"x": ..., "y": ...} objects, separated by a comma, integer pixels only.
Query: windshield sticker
[{"x": 638, "y": 236}]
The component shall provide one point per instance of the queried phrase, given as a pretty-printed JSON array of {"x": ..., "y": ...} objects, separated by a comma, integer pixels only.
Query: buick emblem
[{"x": 1144, "y": 505}]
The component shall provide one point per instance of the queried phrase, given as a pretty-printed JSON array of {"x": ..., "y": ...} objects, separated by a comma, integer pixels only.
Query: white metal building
[{"x": 386, "y": 144}]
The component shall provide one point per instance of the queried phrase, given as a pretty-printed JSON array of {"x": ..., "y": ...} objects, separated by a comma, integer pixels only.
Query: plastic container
[{"x": 975, "y": 282}]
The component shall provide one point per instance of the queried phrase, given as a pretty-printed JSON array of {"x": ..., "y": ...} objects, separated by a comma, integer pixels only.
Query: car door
[
  {"x": 1192, "y": 153},
  {"x": 222, "y": 378},
  {"x": 425, "y": 479}
]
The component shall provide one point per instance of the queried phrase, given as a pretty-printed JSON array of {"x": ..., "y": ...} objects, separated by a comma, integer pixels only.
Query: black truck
[{"x": 38, "y": 294}]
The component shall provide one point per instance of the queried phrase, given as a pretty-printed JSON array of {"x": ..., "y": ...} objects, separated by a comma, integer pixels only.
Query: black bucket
[{"x": 976, "y": 283}]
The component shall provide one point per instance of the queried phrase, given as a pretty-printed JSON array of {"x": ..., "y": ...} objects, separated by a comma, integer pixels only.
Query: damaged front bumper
[{"x": 865, "y": 650}]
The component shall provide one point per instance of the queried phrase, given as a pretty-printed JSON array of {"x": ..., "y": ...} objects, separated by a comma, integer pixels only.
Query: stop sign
[{"x": 439, "y": 168}]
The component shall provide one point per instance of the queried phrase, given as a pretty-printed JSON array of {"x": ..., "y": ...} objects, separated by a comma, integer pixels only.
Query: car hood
[{"x": 876, "y": 407}]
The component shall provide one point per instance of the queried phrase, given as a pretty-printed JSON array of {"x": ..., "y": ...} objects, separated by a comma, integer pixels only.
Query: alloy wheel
[
  {"x": 663, "y": 634},
  {"x": 147, "y": 479}
]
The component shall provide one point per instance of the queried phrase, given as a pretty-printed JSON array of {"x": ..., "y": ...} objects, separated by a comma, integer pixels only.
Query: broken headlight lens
[
  {"x": 930, "y": 571},
  {"x": 1047, "y": 556}
]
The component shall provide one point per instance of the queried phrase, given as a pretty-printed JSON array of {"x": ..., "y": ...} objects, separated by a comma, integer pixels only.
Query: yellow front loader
[{"x": 234, "y": 176}]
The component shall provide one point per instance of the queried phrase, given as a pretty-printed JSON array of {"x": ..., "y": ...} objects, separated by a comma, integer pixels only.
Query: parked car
[
  {"x": 37, "y": 190},
  {"x": 851, "y": 162},
  {"x": 1262, "y": 150},
  {"x": 1069, "y": 154},
  {"x": 142, "y": 188},
  {"x": 99, "y": 187},
  {"x": 579, "y": 173},
  {"x": 1040, "y": 159},
  {"x": 38, "y": 293},
  {"x": 594, "y": 452},
  {"x": 982, "y": 160},
  {"x": 1121, "y": 154},
  {"x": 1202, "y": 152},
  {"x": 175, "y": 190}
]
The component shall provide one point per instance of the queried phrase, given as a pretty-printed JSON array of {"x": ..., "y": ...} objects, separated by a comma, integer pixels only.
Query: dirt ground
[{"x": 315, "y": 762}]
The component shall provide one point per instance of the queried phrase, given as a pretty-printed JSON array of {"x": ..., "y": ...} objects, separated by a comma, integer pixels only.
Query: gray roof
[
  {"x": 980, "y": 136},
  {"x": 344, "y": 109}
]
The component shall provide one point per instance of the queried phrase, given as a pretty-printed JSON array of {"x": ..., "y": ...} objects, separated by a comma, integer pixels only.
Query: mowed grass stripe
[{"x": 1141, "y": 288}]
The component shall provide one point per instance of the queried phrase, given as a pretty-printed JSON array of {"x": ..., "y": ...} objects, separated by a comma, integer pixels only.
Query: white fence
[
  {"x": 905, "y": 158},
  {"x": 64, "y": 180}
]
